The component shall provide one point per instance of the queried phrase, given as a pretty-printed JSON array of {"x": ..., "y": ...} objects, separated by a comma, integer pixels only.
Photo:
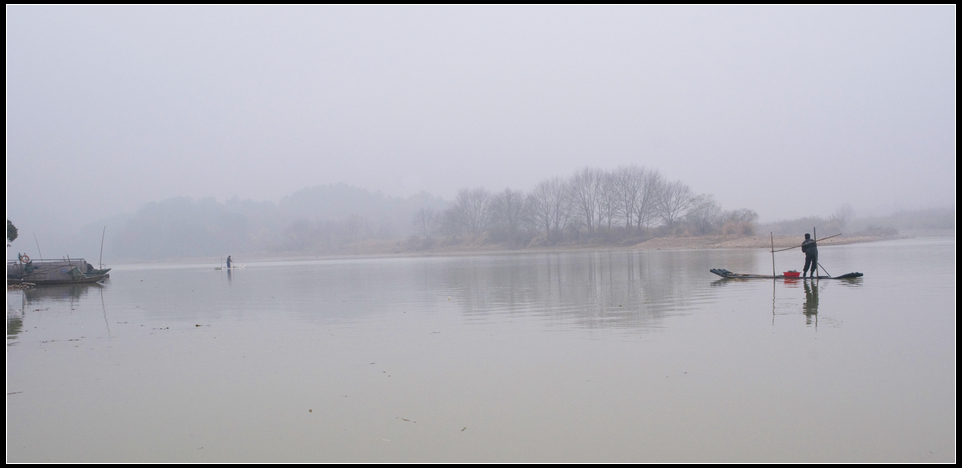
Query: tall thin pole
[
  {"x": 102, "y": 248},
  {"x": 799, "y": 245},
  {"x": 772, "y": 235},
  {"x": 38, "y": 245}
]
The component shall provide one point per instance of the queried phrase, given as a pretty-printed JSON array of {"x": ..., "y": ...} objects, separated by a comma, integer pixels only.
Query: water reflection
[
  {"x": 14, "y": 322},
  {"x": 600, "y": 289},
  {"x": 810, "y": 307},
  {"x": 70, "y": 293},
  {"x": 55, "y": 298},
  {"x": 589, "y": 289}
]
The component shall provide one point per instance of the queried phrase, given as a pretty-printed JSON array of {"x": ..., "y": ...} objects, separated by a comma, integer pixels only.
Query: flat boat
[{"x": 729, "y": 275}]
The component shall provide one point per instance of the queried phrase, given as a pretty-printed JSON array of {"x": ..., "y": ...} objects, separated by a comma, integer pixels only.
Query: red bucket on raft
[{"x": 791, "y": 274}]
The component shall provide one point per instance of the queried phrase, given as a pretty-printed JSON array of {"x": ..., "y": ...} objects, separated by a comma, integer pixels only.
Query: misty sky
[{"x": 790, "y": 111}]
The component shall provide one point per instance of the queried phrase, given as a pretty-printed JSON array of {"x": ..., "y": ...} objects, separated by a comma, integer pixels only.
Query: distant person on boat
[
  {"x": 228, "y": 258},
  {"x": 811, "y": 255}
]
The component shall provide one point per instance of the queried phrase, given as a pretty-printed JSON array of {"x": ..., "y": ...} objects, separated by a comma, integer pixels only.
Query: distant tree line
[
  {"x": 843, "y": 221},
  {"x": 592, "y": 205}
]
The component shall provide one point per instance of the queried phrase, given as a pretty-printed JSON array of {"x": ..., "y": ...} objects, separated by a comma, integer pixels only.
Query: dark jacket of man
[
  {"x": 811, "y": 255},
  {"x": 809, "y": 247}
]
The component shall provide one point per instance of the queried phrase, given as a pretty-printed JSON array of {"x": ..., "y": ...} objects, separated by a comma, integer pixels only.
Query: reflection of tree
[
  {"x": 14, "y": 325},
  {"x": 810, "y": 308},
  {"x": 591, "y": 289}
]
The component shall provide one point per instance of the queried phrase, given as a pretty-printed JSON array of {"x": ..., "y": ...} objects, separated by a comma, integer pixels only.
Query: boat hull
[
  {"x": 41, "y": 272},
  {"x": 84, "y": 280}
]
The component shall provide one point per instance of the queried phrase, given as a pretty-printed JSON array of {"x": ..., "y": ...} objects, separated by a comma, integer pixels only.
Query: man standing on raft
[{"x": 811, "y": 255}]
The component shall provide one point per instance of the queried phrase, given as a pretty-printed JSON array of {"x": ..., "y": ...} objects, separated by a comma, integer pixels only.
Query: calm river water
[{"x": 613, "y": 356}]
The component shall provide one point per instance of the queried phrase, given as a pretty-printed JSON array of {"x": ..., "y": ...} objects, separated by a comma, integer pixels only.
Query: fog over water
[{"x": 789, "y": 111}]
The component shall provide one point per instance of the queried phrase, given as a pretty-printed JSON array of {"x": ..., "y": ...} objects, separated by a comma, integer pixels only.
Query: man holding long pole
[{"x": 811, "y": 255}]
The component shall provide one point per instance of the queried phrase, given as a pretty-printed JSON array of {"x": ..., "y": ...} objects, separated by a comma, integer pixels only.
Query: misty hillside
[{"x": 312, "y": 219}]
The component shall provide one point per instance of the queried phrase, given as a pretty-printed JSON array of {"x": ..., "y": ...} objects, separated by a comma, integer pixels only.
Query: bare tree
[
  {"x": 549, "y": 204},
  {"x": 472, "y": 207},
  {"x": 628, "y": 183},
  {"x": 583, "y": 190},
  {"x": 703, "y": 215},
  {"x": 509, "y": 213},
  {"x": 741, "y": 221},
  {"x": 426, "y": 222},
  {"x": 652, "y": 189},
  {"x": 607, "y": 199},
  {"x": 843, "y": 215},
  {"x": 452, "y": 222},
  {"x": 675, "y": 199}
]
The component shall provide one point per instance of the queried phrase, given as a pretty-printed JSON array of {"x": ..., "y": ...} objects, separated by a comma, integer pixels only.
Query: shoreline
[
  {"x": 379, "y": 249},
  {"x": 782, "y": 241},
  {"x": 389, "y": 249}
]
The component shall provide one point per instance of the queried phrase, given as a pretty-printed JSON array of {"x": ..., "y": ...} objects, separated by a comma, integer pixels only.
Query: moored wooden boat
[{"x": 67, "y": 271}]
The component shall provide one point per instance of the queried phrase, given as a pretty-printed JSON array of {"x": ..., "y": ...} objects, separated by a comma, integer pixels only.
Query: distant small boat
[
  {"x": 729, "y": 275},
  {"x": 67, "y": 271}
]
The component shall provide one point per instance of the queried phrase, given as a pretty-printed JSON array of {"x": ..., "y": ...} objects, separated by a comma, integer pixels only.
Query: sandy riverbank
[
  {"x": 381, "y": 248},
  {"x": 747, "y": 242}
]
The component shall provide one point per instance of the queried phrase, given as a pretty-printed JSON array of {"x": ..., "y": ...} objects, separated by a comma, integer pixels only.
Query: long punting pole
[
  {"x": 772, "y": 235},
  {"x": 799, "y": 245}
]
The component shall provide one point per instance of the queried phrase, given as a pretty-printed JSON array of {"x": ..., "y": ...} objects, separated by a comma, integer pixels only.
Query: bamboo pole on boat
[
  {"x": 816, "y": 259},
  {"x": 102, "y": 248},
  {"x": 772, "y": 235},
  {"x": 799, "y": 245}
]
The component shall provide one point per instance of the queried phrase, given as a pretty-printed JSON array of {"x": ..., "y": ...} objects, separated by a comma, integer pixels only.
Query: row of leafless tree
[{"x": 630, "y": 200}]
